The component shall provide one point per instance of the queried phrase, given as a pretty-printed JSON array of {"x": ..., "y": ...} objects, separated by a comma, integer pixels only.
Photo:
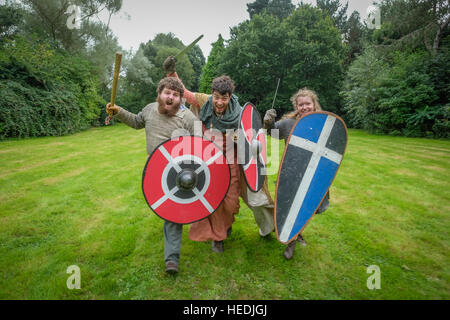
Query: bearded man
[
  {"x": 160, "y": 120},
  {"x": 220, "y": 111}
]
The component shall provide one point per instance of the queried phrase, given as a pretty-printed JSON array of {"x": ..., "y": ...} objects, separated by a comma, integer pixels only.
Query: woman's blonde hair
[{"x": 305, "y": 92}]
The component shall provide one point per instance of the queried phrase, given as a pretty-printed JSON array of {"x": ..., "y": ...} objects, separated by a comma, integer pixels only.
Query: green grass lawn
[{"x": 77, "y": 200}]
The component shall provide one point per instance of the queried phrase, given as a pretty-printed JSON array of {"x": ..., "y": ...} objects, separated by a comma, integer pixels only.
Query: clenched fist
[
  {"x": 112, "y": 110},
  {"x": 270, "y": 116},
  {"x": 170, "y": 64}
]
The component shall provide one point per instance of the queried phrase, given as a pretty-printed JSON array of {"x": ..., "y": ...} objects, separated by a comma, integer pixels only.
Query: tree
[
  {"x": 101, "y": 51},
  {"x": 11, "y": 16},
  {"x": 359, "y": 90},
  {"x": 278, "y": 8},
  {"x": 313, "y": 54},
  {"x": 257, "y": 7},
  {"x": 162, "y": 46},
  {"x": 336, "y": 11},
  {"x": 399, "y": 83},
  {"x": 305, "y": 49},
  {"x": 211, "y": 68},
  {"x": 167, "y": 40},
  {"x": 197, "y": 60},
  {"x": 195, "y": 55},
  {"x": 138, "y": 87},
  {"x": 49, "y": 19},
  {"x": 253, "y": 59},
  {"x": 413, "y": 24},
  {"x": 398, "y": 97},
  {"x": 353, "y": 38},
  {"x": 144, "y": 70}
]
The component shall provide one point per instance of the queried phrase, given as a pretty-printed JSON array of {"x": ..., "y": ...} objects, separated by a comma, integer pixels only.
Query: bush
[
  {"x": 45, "y": 92},
  {"x": 395, "y": 94}
]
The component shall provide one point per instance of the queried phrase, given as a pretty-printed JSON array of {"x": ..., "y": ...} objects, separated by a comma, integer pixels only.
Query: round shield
[
  {"x": 185, "y": 179},
  {"x": 252, "y": 147}
]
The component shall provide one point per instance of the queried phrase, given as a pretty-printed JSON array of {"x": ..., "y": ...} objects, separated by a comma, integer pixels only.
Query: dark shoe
[
  {"x": 217, "y": 246},
  {"x": 229, "y": 231},
  {"x": 289, "y": 251},
  {"x": 301, "y": 240},
  {"x": 265, "y": 235},
  {"x": 171, "y": 267}
]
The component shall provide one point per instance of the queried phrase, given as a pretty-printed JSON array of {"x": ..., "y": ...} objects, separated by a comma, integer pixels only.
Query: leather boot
[
  {"x": 217, "y": 246},
  {"x": 301, "y": 240},
  {"x": 171, "y": 267},
  {"x": 289, "y": 251}
]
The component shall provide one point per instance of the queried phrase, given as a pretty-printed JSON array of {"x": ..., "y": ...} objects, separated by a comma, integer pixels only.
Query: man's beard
[{"x": 174, "y": 106}]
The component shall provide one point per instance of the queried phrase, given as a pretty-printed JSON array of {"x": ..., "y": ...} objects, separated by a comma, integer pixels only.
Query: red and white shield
[
  {"x": 252, "y": 150},
  {"x": 186, "y": 179}
]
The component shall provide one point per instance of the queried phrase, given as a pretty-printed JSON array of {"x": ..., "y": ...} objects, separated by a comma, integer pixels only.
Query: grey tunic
[
  {"x": 159, "y": 127},
  {"x": 285, "y": 128}
]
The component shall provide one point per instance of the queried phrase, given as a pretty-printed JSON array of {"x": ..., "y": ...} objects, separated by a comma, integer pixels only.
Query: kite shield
[
  {"x": 312, "y": 158},
  {"x": 252, "y": 147},
  {"x": 185, "y": 179}
]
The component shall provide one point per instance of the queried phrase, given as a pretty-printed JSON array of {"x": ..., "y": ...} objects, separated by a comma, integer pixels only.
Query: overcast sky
[{"x": 140, "y": 20}]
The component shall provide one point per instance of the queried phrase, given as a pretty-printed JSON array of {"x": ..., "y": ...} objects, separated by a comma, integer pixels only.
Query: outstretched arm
[{"x": 130, "y": 119}]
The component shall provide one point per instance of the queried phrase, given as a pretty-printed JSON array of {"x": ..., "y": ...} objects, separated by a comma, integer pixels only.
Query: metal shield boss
[
  {"x": 252, "y": 147},
  {"x": 186, "y": 179}
]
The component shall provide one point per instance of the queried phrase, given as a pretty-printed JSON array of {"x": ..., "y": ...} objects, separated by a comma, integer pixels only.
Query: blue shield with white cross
[{"x": 312, "y": 157}]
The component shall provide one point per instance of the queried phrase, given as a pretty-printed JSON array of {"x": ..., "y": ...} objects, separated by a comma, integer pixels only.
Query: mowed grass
[{"x": 77, "y": 200}]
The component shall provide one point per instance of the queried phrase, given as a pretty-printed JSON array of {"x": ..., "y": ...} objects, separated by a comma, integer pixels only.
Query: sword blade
[
  {"x": 189, "y": 47},
  {"x": 276, "y": 93}
]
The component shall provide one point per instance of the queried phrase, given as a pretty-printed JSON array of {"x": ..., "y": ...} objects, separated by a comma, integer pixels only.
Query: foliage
[
  {"x": 278, "y": 8},
  {"x": 210, "y": 70},
  {"x": 411, "y": 24},
  {"x": 314, "y": 55},
  {"x": 144, "y": 70},
  {"x": 309, "y": 54},
  {"x": 336, "y": 11},
  {"x": 49, "y": 18},
  {"x": 10, "y": 19},
  {"x": 139, "y": 77},
  {"x": 44, "y": 91},
  {"x": 397, "y": 98},
  {"x": 400, "y": 82},
  {"x": 363, "y": 77},
  {"x": 197, "y": 60},
  {"x": 354, "y": 38}
]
